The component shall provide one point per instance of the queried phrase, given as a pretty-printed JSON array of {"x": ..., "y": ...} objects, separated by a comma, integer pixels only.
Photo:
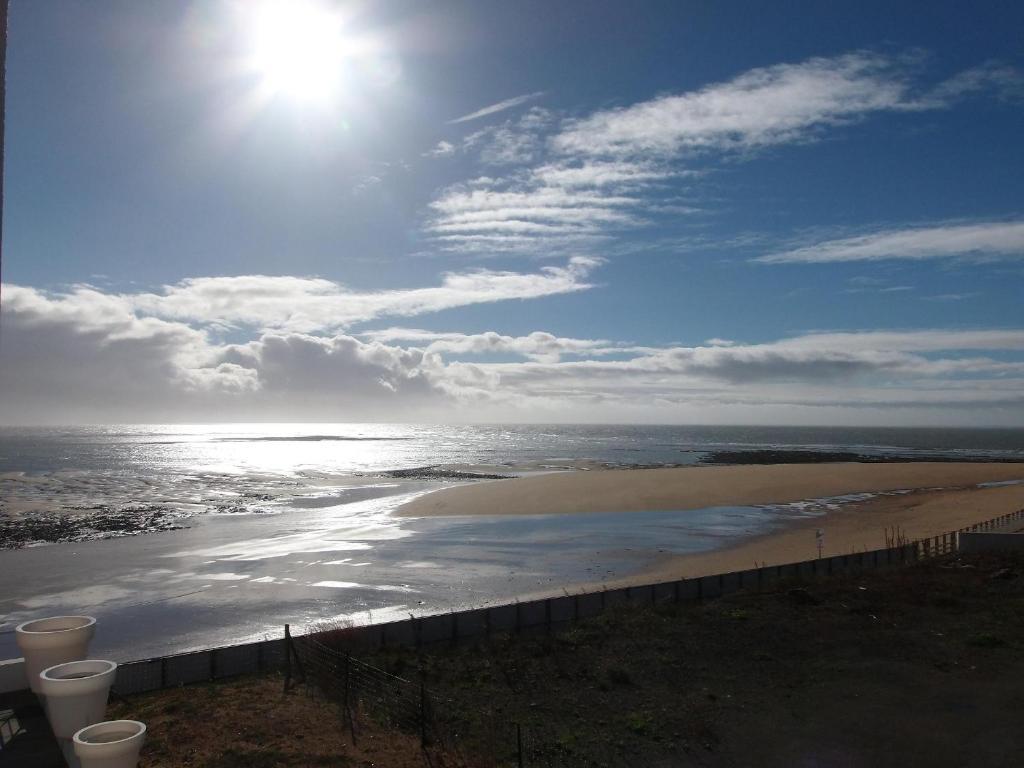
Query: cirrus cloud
[{"x": 987, "y": 239}]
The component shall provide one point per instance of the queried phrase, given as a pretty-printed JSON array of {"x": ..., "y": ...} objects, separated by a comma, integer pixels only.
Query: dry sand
[
  {"x": 945, "y": 498},
  {"x": 695, "y": 487},
  {"x": 852, "y": 528}
]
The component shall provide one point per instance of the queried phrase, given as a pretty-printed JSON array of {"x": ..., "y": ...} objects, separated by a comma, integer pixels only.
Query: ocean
[
  {"x": 251, "y": 526},
  {"x": 345, "y": 448},
  {"x": 183, "y": 470}
]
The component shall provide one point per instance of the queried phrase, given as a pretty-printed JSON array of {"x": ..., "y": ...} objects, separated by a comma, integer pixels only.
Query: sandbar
[
  {"x": 851, "y": 528},
  {"x": 939, "y": 497},
  {"x": 681, "y": 488}
]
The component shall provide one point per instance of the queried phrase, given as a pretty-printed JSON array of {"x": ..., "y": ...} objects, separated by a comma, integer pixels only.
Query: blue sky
[{"x": 583, "y": 211}]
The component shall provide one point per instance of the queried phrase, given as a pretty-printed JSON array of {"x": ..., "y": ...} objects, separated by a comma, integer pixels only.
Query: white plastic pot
[
  {"x": 111, "y": 744},
  {"x": 76, "y": 694},
  {"x": 46, "y": 642}
]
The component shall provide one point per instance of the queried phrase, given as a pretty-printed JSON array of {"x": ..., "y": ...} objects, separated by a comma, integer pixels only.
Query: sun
[{"x": 298, "y": 48}]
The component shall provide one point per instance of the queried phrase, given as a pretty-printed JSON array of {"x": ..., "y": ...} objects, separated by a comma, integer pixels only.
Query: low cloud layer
[
  {"x": 310, "y": 304},
  {"x": 88, "y": 356}
]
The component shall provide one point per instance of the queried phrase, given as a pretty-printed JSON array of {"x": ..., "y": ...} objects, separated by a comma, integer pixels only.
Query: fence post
[
  {"x": 423, "y": 715},
  {"x": 348, "y": 706},
  {"x": 287, "y": 659}
]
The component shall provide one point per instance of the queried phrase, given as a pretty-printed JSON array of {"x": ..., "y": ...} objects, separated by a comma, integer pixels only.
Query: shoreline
[
  {"x": 946, "y": 497},
  {"x": 687, "y": 488},
  {"x": 855, "y": 527}
]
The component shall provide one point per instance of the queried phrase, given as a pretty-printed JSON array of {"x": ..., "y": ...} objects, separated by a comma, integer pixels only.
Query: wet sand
[
  {"x": 851, "y": 528},
  {"x": 697, "y": 487},
  {"x": 323, "y": 556},
  {"x": 932, "y": 499}
]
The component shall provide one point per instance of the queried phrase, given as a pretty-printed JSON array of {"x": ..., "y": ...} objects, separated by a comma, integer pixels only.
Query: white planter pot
[
  {"x": 111, "y": 744},
  {"x": 76, "y": 694},
  {"x": 46, "y": 642}
]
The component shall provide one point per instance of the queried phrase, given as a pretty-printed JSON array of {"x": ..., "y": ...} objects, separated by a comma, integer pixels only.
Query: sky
[{"x": 479, "y": 211}]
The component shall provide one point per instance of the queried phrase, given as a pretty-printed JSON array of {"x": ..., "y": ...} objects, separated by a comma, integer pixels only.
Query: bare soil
[
  {"x": 918, "y": 666},
  {"x": 252, "y": 723}
]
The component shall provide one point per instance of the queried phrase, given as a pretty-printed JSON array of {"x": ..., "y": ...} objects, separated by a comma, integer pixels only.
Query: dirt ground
[
  {"x": 913, "y": 667},
  {"x": 920, "y": 666},
  {"x": 252, "y": 723}
]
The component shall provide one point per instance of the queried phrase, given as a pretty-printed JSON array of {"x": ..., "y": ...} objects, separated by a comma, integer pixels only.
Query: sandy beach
[
  {"x": 941, "y": 497},
  {"x": 854, "y": 527}
]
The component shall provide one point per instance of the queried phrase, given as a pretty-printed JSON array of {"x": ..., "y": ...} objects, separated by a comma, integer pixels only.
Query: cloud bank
[{"x": 89, "y": 356}]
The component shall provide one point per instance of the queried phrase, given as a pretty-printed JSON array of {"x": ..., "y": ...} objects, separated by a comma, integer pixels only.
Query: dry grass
[
  {"x": 251, "y": 723},
  {"x": 917, "y": 666}
]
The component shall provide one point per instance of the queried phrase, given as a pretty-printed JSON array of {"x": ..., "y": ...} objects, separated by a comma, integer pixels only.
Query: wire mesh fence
[
  {"x": 360, "y": 689},
  {"x": 323, "y": 661},
  {"x": 364, "y": 693}
]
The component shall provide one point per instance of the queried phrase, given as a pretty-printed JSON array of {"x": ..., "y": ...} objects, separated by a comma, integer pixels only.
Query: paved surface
[{"x": 26, "y": 736}]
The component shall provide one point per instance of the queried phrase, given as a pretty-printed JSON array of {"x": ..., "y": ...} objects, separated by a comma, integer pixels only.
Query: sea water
[{"x": 295, "y": 523}]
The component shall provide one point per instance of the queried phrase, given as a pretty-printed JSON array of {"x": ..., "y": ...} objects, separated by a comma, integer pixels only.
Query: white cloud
[
  {"x": 628, "y": 159},
  {"x": 618, "y": 174},
  {"x": 951, "y": 296},
  {"x": 311, "y": 304},
  {"x": 761, "y": 107},
  {"x": 1006, "y": 82},
  {"x": 443, "y": 149},
  {"x": 773, "y": 105},
  {"x": 500, "y": 106},
  {"x": 548, "y": 216},
  {"x": 512, "y": 142},
  {"x": 910, "y": 341},
  {"x": 71, "y": 358},
  {"x": 981, "y": 239},
  {"x": 89, "y": 356},
  {"x": 539, "y": 346}
]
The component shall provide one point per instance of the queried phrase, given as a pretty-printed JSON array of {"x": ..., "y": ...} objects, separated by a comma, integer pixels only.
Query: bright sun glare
[{"x": 299, "y": 49}]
